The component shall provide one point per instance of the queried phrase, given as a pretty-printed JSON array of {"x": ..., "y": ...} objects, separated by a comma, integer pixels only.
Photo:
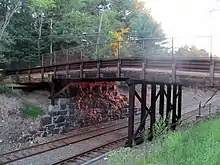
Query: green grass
[
  {"x": 29, "y": 111},
  {"x": 196, "y": 145}
]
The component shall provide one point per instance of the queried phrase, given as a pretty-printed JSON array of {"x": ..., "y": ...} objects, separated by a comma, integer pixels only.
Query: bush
[
  {"x": 28, "y": 111},
  {"x": 198, "y": 144},
  {"x": 5, "y": 90}
]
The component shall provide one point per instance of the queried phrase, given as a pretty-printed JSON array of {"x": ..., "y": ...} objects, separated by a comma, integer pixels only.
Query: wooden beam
[
  {"x": 161, "y": 104},
  {"x": 131, "y": 114}
]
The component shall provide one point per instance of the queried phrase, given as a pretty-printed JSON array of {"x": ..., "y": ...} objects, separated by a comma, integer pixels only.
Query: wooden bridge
[
  {"x": 179, "y": 70},
  {"x": 169, "y": 73}
]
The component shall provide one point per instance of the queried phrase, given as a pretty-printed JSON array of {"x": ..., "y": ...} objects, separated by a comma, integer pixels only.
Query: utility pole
[
  {"x": 51, "y": 31},
  {"x": 99, "y": 31}
]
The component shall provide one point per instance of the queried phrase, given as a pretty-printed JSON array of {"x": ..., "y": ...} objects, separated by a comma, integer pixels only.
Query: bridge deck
[{"x": 185, "y": 71}]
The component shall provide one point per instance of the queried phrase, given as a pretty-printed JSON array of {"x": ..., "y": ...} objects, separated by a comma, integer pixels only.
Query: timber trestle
[
  {"x": 169, "y": 97},
  {"x": 164, "y": 102}
]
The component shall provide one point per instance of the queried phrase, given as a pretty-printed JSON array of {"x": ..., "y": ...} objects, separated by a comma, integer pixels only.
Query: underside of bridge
[{"x": 165, "y": 103}]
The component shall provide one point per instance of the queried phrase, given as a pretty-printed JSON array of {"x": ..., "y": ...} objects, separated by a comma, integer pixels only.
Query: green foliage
[
  {"x": 29, "y": 111},
  {"x": 191, "y": 51},
  {"x": 5, "y": 90},
  {"x": 124, "y": 156},
  {"x": 43, "y": 4},
  {"x": 28, "y": 34},
  {"x": 198, "y": 144}
]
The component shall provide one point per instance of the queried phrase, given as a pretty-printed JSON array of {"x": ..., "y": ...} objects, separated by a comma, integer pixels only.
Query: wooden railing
[{"x": 202, "y": 68}]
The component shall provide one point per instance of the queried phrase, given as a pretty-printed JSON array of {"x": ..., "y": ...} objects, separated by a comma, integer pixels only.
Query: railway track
[
  {"x": 59, "y": 143},
  {"x": 89, "y": 154},
  {"x": 99, "y": 150},
  {"x": 74, "y": 139}
]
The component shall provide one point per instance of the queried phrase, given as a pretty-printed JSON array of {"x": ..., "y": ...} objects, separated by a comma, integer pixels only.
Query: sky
[{"x": 186, "y": 20}]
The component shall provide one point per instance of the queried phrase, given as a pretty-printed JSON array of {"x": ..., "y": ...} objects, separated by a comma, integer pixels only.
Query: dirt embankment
[{"x": 14, "y": 128}]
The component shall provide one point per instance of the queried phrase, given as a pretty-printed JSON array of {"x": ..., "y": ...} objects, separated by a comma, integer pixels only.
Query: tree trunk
[{"x": 8, "y": 18}]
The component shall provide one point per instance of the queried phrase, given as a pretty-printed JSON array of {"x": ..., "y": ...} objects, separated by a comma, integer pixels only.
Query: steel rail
[{"x": 48, "y": 146}]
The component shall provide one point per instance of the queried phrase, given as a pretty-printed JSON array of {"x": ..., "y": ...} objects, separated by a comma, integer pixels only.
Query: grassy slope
[{"x": 197, "y": 145}]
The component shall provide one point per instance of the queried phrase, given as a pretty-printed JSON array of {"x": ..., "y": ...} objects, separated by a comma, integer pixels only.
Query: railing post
[
  {"x": 29, "y": 75},
  {"x": 67, "y": 56},
  {"x": 98, "y": 69},
  {"x": 42, "y": 74},
  {"x": 119, "y": 68},
  {"x": 174, "y": 71},
  {"x": 81, "y": 70},
  {"x": 42, "y": 60},
  {"x": 211, "y": 72},
  {"x": 118, "y": 49},
  {"x": 55, "y": 72},
  {"x": 51, "y": 58},
  {"x": 144, "y": 63},
  {"x": 54, "y": 58},
  {"x": 17, "y": 77}
]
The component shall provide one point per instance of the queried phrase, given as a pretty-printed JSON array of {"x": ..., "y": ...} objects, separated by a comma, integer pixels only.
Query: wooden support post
[
  {"x": 98, "y": 69},
  {"x": 168, "y": 109},
  {"x": 54, "y": 59},
  {"x": 153, "y": 110},
  {"x": 174, "y": 72},
  {"x": 144, "y": 63},
  {"x": 143, "y": 103},
  {"x": 67, "y": 70},
  {"x": 29, "y": 76},
  {"x": 161, "y": 107},
  {"x": 81, "y": 70},
  {"x": 131, "y": 114},
  {"x": 211, "y": 73},
  {"x": 67, "y": 56},
  {"x": 42, "y": 74},
  {"x": 55, "y": 72},
  {"x": 52, "y": 95},
  {"x": 17, "y": 77},
  {"x": 174, "y": 116},
  {"x": 179, "y": 102}
]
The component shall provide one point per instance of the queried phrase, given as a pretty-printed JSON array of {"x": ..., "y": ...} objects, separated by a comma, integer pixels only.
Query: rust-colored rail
[{"x": 56, "y": 144}]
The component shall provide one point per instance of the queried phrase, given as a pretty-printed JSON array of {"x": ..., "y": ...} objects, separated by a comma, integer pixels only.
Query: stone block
[
  {"x": 53, "y": 108},
  {"x": 60, "y": 119},
  {"x": 50, "y": 127},
  {"x": 64, "y": 124},
  {"x": 44, "y": 134},
  {"x": 53, "y": 113},
  {"x": 62, "y": 130},
  {"x": 63, "y": 113},
  {"x": 45, "y": 120},
  {"x": 62, "y": 102},
  {"x": 56, "y": 131}
]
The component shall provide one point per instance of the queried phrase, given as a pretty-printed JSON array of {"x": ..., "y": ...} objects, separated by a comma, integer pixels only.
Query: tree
[
  {"x": 8, "y": 9},
  {"x": 64, "y": 24},
  {"x": 40, "y": 8},
  {"x": 191, "y": 51}
]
